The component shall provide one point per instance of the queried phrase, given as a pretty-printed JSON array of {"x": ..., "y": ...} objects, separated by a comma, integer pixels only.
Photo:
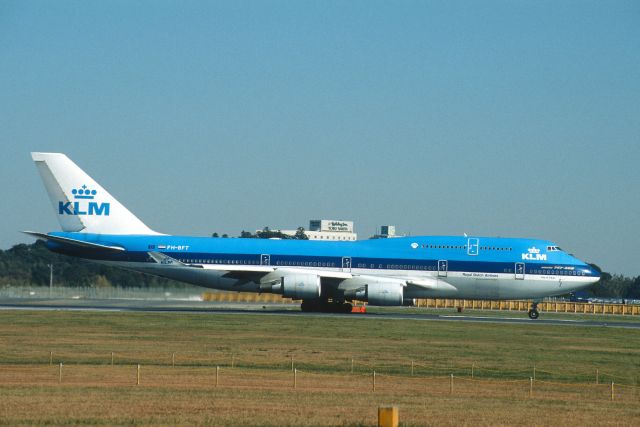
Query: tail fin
[{"x": 81, "y": 204}]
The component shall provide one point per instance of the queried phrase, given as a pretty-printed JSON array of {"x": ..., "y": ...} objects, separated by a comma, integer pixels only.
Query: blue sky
[{"x": 499, "y": 118}]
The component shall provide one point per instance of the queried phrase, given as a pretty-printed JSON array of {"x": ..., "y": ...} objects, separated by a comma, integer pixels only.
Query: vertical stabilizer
[{"x": 80, "y": 203}]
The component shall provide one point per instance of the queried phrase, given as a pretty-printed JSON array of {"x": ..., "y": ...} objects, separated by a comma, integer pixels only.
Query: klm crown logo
[
  {"x": 83, "y": 193},
  {"x": 83, "y": 204}
]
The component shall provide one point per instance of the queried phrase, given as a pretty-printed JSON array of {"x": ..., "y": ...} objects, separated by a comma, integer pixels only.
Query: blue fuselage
[{"x": 478, "y": 267}]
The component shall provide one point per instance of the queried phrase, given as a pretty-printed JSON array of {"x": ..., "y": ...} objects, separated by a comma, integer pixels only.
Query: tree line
[
  {"x": 28, "y": 265},
  {"x": 267, "y": 233}
]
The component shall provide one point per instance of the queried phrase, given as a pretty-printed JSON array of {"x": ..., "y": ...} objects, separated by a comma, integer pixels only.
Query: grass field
[{"x": 178, "y": 354}]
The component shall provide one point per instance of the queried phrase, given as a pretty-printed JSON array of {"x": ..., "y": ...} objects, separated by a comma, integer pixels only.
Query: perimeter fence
[
  {"x": 248, "y": 371},
  {"x": 460, "y": 304}
]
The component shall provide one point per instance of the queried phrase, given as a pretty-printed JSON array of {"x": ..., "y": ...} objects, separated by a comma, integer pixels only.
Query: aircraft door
[
  {"x": 520, "y": 270},
  {"x": 346, "y": 264},
  {"x": 265, "y": 259},
  {"x": 472, "y": 246},
  {"x": 443, "y": 266}
]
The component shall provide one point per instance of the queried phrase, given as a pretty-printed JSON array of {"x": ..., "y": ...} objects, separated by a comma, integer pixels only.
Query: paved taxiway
[{"x": 205, "y": 307}]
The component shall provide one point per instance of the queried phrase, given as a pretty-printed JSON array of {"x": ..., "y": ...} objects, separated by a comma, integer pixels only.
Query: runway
[{"x": 207, "y": 307}]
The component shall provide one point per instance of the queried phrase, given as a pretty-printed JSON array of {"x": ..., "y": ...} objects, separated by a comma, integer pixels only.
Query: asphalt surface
[{"x": 206, "y": 307}]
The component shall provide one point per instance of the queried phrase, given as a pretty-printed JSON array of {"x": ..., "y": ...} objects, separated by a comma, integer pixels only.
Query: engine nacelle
[
  {"x": 301, "y": 286},
  {"x": 385, "y": 293}
]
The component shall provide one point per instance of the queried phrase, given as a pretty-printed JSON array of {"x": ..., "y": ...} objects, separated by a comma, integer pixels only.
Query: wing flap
[{"x": 431, "y": 284}]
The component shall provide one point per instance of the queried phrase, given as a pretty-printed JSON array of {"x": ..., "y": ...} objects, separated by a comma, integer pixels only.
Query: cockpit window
[{"x": 553, "y": 248}]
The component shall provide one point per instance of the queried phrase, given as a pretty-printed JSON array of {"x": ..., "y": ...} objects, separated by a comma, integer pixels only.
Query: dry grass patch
[{"x": 258, "y": 389}]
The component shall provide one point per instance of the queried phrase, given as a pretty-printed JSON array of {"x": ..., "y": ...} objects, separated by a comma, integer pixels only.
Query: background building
[
  {"x": 328, "y": 229},
  {"x": 386, "y": 232}
]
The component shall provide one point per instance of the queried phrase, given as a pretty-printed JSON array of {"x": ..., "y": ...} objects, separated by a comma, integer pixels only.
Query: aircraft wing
[
  {"x": 259, "y": 274},
  {"x": 268, "y": 275},
  {"x": 415, "y": 283},
  {"x": 247, "y": 270},
  {"x": 430, "y": 284}
]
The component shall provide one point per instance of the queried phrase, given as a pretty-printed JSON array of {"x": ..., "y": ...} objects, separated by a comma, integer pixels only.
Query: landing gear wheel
[
  {"x": 309, "y": 306},
  {"x": 320, "y": 306},
  {"x": 533, "y": 311}
]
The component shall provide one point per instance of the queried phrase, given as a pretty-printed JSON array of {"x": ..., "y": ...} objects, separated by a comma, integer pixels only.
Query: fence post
[
  {"x": 173, "y": 360},
  {"x": 451, "y": 384},
  {"x": 60, "y": 373},
  {"x": 233, "y": 360},
  {"x": 50, "y": 358},
  {"x": 295, "y": 378},
  {"x": 473, "y": 365},
  {"x": 412, "y": 367},
  {"x": 292, "y": 362},
  {"x": 530, "y": 387},
  {"x": 597, "y": 376},
  {"x": 112, "y": 358},
  {"x": 612, "y": 390},
  {"x": 374, "y": 380},
  {"x": 534, "y": 372},
  {"x": 352, "y": 365},
  {"x": 138, "y": 375},
  {"x": 217, "y": 374}
]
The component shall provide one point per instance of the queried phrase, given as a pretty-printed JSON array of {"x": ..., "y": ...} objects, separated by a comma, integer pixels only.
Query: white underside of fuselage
[{"x": 466, "y": 285}]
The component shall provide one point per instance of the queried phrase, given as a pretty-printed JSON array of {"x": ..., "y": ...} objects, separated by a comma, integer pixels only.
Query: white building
[{"x": 328, "y": 230}]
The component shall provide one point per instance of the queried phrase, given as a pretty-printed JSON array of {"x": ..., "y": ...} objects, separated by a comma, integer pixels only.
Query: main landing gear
[
  {"x": 325, "y": 306},
  {"x": 533, "y": 311}
]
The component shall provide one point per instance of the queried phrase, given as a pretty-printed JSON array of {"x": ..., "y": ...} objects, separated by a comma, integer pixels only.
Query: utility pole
[{"x": 50, "y": 279}]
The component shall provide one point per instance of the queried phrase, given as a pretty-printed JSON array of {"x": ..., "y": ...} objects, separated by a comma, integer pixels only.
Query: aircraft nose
[{"x": 594, "y": 271}]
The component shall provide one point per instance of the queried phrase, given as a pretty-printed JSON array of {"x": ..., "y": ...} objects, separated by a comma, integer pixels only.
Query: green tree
[
  {"x": 266, "y": 233},
  {"x": 300, "y": 234}
]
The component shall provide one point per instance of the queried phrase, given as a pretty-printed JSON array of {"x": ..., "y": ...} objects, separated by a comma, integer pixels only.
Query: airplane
[{"x": 326, "y": 275}]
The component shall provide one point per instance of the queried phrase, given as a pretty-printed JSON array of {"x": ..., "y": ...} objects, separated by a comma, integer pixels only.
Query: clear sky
[{"x": 498, "y": 118}]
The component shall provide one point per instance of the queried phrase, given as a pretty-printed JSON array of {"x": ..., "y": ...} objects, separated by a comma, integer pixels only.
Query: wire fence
[
  {"x": 320, "y": 363},
  {"x": 198, "y": 377},
  {"x": 256, "y": 371},
  {"x": 165, "y": 293}
]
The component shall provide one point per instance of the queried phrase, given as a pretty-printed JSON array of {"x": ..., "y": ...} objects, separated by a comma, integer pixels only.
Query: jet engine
[
  {"x": 385, "y": 293},
  {"x": 301, "y": 286}
]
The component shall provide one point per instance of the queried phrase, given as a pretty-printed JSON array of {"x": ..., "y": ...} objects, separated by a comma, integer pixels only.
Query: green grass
[
  {"x": 617, "y": 318},
  {"x": 322, "y": 344},
  {"x": 261, "y": 347}
]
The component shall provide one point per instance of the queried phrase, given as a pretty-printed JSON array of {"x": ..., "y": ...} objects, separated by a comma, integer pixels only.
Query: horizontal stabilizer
[{"x": 74, "y": 242}]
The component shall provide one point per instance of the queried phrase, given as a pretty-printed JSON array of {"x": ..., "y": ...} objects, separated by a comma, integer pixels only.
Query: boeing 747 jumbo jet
[{"x": 325, "y": 275}]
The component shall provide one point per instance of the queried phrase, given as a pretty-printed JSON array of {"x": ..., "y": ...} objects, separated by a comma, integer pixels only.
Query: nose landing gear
[{"x": 533, "y": 311}]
